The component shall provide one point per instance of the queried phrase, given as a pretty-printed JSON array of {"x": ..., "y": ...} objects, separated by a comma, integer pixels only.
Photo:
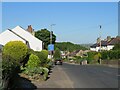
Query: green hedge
[
  {"x": 12, "y": 54},
  {"x": 90, "y": 57},
  {"x": 43, "y": 55},
  {"x": 16, "y": 50},
  {"x": 112, "y": 54}
]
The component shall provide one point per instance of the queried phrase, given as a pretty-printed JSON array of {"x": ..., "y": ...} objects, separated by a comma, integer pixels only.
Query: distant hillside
[
  {"x": 69, "y": 46},
  {"x": 86, "y": 45}
]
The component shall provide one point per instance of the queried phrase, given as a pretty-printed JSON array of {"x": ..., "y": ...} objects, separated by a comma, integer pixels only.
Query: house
[
  {"x": 80, "y": 53},
  {"x": 63, "y": 54},
  {"x": 20, "y": 34},
  {"x": 106, "y": 44}
]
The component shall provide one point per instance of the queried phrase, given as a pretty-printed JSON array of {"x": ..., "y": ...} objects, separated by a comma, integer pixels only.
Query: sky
[{"x": 76, "y": 22}]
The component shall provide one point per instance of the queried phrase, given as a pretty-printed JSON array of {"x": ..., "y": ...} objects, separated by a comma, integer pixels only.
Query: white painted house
[
  {"x": 105, "y": 44},
  {"x": 20, "y": 34}
]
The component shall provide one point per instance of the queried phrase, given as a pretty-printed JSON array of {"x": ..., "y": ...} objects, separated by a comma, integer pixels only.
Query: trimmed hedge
[
  {"x": 12, "y": 54},
  {"x": 16, "y": 50},
  {"x": 90, "y": 57},
  {"x": 43, "y": 55},
  {"x": 112, "y": 54}
]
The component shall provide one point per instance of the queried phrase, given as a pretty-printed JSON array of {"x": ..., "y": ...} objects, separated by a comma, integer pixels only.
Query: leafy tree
[
  {"x": 117, "y": 47},
  {"x": 44, "y": 35},
  {"x": 68, "y": 46},
  {"x": 57, "y": 54}
]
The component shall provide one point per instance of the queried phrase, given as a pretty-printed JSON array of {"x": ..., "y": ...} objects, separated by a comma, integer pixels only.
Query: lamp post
[
  {"x": 100, "y": 42},
  {"x": 100, "y": 37},
  {"x": 51, "y": 32}
]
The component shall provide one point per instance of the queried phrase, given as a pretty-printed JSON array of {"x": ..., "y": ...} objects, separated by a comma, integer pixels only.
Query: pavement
[{"x": 58, "y": 79}]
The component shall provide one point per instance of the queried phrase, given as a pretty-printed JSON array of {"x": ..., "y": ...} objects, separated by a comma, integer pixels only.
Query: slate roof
[{"x": 113, "y": 41}]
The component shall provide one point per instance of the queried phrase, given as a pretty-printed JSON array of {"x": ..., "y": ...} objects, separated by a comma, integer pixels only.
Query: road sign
[{"x": 51, "y": 47}]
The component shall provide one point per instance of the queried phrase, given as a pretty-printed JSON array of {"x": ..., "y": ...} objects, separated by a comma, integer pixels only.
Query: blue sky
[{"x": 76, "y": 22}]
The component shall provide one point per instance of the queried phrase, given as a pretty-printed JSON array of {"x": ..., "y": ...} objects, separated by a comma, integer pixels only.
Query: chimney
[
  {"x": 98, "y": 40},
  {"x": 108, "y": 38},
  {"x": 30, "y": 29}
]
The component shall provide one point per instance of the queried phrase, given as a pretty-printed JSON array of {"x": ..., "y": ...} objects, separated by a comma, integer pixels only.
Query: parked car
[{"x": 58, "y": 61}]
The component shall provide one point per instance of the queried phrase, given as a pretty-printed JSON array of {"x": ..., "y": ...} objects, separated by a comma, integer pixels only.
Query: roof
[
  {"x": 94, "y": 45},
  {"x": 74, "y": 53},
  {"x": 12, "y": 37},
  {"x": 103, "y": 43},
  {"x": 113, "y": 41},
  {"x": 18, "y": 33}
]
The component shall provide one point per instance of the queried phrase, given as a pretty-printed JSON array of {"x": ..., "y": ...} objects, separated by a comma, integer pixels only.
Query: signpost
[{"x": 51, "y": 47}]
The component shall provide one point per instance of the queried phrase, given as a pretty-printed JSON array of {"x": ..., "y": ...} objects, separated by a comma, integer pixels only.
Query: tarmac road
[
  {"x": 91, "y": 76},
  {"x": 81, "y": 76}
]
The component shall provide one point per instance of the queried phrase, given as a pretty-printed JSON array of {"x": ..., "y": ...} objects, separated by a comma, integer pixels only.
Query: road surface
[
  {"x": 91, "y": 76},
  {"x": 81, "y": 76}
]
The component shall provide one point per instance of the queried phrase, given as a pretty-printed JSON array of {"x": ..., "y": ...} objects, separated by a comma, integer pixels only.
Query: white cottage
[
  {"x": 105, "y": 44},
  {"x": 18, "y": 33}
]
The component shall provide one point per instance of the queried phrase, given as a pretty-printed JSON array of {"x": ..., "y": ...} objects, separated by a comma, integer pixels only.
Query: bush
[
  {"x": 12, "y": 54},
  {"x": 90, "y": 57},
  {"x": 45, "y": 71},
  {"x": 43, "y": 55},
  {"x": 57, "y": 54},
  {"x": 16, "y": 50},
  {"x": 33, "y": 61},
  {"x": 32, "y": 66},
  {"x": 104, "y": 55},
  {"x": 32, "y": 71},
  {"x": 112, "y": 54}
]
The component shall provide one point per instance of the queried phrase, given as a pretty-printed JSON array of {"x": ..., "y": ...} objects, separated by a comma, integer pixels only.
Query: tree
[
  {"x": 57, "y": 54},
  {"x": 68, "y": 46},
  {"x": 44, "y": 35},
  {"x": 117, "y": 46}
]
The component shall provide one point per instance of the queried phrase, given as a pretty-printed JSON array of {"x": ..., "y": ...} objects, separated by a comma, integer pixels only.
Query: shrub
[
  {"x": 112, "y": 54},
  {"x": 33, "y": 61},
  {"x": 12, "y": 54},
  {"x": 16, "y": 50},
  {"x": 57, "y": 54},
  {"x": 90, "y": 57},
  {"x": 97, "y": 56},
  {"x": 31, "y": 51},
  {"x": 32, "y": 71},
  {"x": 43, "y": 55},
  {"x": 32, "y": 66},
  {"x": 104, "y": 55},
  {"x": 45, "y": 71}
]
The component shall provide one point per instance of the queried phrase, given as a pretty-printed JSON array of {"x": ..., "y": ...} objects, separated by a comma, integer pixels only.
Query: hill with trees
[{"x": 68, "y": 46}]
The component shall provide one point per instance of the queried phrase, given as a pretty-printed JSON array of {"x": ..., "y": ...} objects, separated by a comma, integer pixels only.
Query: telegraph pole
[
  {"x": 51, "y": 32},
  {"x": 100, "y": 42},
  {"x": 100, "y": 37}
]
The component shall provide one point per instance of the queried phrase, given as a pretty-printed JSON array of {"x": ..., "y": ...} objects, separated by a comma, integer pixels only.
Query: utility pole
[
  {"x": 100, "y": 37},
  {"x": 100, "y": 42},
  {"x": 51, "y": 32}
]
